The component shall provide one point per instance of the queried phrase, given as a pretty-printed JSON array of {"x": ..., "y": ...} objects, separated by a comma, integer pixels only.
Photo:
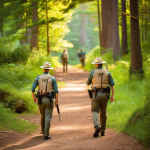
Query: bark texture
[
  {"x": 136, "y": 54},
  {"x": 34, "y": 30},
  {"x": 107, "y": 24},
  {"x": 124, "y": 29},
  {"x": 116, "y": 39}
]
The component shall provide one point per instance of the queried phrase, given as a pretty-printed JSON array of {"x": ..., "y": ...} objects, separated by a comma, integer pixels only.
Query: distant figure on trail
[
  {"x": 82, "y": 57},
  {"x": 100, "y": 80},
  {"x": 47, "y": 92},
  {"x": 64, "y": 60}
]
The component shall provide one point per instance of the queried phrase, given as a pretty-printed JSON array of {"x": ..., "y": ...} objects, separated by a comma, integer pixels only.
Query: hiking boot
[
  {"x": 102, "y": 134},
  {"x": 97, "y": 130},
  {"x": 47, "y": 137}
]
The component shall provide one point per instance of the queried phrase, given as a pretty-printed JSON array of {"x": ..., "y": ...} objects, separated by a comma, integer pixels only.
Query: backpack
[{"x": 65, "y": 55}]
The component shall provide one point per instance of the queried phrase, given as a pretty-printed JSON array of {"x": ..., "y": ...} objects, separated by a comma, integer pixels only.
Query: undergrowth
[{"x": 11, "y": 121}]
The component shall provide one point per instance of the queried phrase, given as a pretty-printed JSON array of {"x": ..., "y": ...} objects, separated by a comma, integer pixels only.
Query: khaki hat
[
  {"x": 98, "y": 60},
  {"x": 47, "y": 65},
  {"x": 65, "y": 49}
]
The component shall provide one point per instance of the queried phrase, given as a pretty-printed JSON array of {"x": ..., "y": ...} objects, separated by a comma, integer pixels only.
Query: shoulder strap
[{"x": 46, "y": 85}]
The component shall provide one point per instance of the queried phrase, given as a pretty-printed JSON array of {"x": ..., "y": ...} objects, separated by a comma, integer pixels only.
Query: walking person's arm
[
  {"x": 56, "y": 102},
  {"x": 55, "y": 88},
  {"x": 34, "y": 85},
  {"x": 112, "y": 94},
  {"x": 34, "y": 99}
]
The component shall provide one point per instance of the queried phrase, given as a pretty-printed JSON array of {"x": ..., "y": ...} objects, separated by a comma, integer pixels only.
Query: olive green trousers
[
  {"x": 46, "y": 112},
  {"x": 99, "y": 104},
  {"x": 65, "y": 65},
  {"x": 82, "y": 60}
]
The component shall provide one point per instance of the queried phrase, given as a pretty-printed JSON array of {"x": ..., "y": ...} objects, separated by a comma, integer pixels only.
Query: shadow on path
[{"x": 32, "y": 142}]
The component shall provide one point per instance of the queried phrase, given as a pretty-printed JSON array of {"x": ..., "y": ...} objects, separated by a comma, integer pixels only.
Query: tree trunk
[
  {"x": 99, "y": 26},
  {"x": 48, "y": 51},
  {"x": 146, "y": 27},
  {"x": 136, "y": 54},
  {"x": 116, "y": 39},
  {"x": 34, "y": 30},
  {"x": 26, "y": 22},
  {"x": 83, "y": 27},
  {"x": 1, "y": 18},
  {"x": 106, "y": 24},
  {"x": 124, "y": 29},
  {"x": 142, "y": 27},
  {"x": 21, "y": 25}
]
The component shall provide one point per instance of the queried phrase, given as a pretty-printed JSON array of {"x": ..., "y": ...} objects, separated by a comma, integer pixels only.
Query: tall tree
[
  {"x": 124, "y": 29},
  {"x": 136, "y": 54},
  {"x": 47, "y": 27},
  {"x": 116, "y": 39},
  {"x": 1, "y": 17},
  {"x": 99, "y": 26},
  {"x": 106, "y": 24},
  {"x": 34, "y": 30}
]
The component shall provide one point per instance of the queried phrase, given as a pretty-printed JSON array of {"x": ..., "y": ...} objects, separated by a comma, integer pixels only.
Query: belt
[
  {"x": 45, "y": 95},
  {"x": 100, "y": 90}
]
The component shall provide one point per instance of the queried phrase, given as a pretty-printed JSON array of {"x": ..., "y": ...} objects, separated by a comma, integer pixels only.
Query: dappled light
[
  {"x": 75, "y": 108},
  {"x": 50, "y": 50}
]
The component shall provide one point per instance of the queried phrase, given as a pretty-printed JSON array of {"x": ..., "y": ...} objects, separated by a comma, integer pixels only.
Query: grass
[{"x": 11, "y": 121}]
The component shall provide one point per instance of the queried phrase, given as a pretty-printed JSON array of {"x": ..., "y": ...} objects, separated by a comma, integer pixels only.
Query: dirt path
[{"x": 75, "y": 131}]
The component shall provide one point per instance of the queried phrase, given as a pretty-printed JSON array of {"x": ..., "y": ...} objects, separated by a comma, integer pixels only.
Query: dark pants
[
  {"x": 99, "y": 104},
  {"x": 82, "y": 60},
  {"x": 65, "y": 64}
]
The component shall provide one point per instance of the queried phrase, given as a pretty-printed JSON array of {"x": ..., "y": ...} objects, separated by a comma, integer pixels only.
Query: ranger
[
  {"x": 82, "y": 57},
  {"x": 64, "y": 60},
  {"x": 47, "y": 90},
  {"x": 100, "y": 80}
]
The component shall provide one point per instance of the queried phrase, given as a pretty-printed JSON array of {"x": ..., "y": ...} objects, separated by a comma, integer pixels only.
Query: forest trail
[{"x": 75, "y": 131}]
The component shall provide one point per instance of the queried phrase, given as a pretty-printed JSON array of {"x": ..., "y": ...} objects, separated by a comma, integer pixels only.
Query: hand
[
  {"x": 35, "y": 100},
  {"x": 112, "y": 99},
  {"x": 56, "y": 103}
]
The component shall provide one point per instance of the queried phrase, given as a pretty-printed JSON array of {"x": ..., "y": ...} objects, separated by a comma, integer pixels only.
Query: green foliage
[
  {"x": 10, "y": 53},
  {"x": 11, "y": 121}
]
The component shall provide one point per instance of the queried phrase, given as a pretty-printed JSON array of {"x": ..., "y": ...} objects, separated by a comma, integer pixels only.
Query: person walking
[
  {"x": 82, "y": 57},
  {"x": 47, "y": 90},
  {"x": 64, "y": 60},
  {"x": 101, "y": 81}
]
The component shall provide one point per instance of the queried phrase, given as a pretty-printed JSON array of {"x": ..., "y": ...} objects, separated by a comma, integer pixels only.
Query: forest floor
[{"x": 75, "y": 131}]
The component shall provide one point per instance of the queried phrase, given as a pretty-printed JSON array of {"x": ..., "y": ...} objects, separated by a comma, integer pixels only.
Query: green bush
[
  {"x": 20, "y": 54},
  {"x": 10, "y": 52}
]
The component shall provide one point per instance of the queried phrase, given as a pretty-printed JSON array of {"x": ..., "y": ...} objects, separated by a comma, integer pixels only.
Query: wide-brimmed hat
[
  {"x": 46, "y": 65},
  {"x": 98, "y": 60}
]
